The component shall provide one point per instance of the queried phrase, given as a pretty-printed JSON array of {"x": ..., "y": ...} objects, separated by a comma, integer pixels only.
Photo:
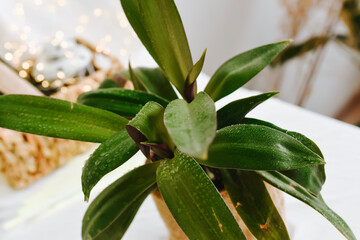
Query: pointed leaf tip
[
  {"x": 289, "y": 186},
  {"x": 256, "y": 147},
  {"x": 240, "y": 69},
  {"x": 235, "y": 111},
  {"x": 196, "y": 69},
  {"x": 311, "y": 177},
  {"x": 190, "y": 84},
  {"x": 138, "y": 85}
]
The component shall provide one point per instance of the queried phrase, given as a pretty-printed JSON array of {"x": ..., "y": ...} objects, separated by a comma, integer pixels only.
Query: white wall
[{"x": 229, "y": 27}]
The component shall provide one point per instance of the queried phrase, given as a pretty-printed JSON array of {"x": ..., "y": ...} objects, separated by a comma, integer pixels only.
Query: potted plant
[{"x": 193, "y": 151}]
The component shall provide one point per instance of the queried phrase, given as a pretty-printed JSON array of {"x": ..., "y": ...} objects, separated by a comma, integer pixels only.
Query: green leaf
[
  {"x": 235, "y": 111},
  {"x": 196, "y": 69},
  {"x": 152, "y": 80},
  {"x": 123, "y": 74},
  {"x": 294, "y": 189},
  {"x": 192, "y": 126},
  {"x": 254, "y": 205},
  {"x": 56, "y": 118},
  {"x": 159, "y": 27},
  {"x": 190, "y": 85},
  {"x": 138, "y": 85},
  {"x": 118, "y": 100},
  {"x": 310, "y": 177},
  {"x": 240, "y": 69},
  {"x": 160, "y": 149},
  {"x": 148, "y": 126},
  {"x": 111, "y": 213},
  {"x": 111, "y": 154},
  {"x": 116, "y": 80},
  {"x": 155, "y": 81},
  {"x": 304, "y": 140},
  {"x": 194, "y": 201},
  {"x": 256, "y": 147},
  {"x": 149, "y": 121},
  {"x": 108, "y": 83}
]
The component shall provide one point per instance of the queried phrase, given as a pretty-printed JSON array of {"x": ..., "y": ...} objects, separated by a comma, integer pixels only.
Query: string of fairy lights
[{"x": 21, "y": 51}]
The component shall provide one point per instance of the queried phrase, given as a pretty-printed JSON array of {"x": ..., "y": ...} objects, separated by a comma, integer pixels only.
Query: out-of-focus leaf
[
  {"x": 56, "y": 118},
  {"x": 111, "y": 154},
  {"x": 116, "y": 80},
  {"x": 257, "y": 147},
  {"x": 254, "y": 205},
  {"x": 298, "y": 50},
  {"x": 235, "y": 111},
  {"x": 294, "y": 189},
  {"x": 108, "y": 83},
  {"x": 155, "y": 81},
  {"x": 240, "y": 69},
  {"x": 125, "y": 74},
  {"x": 192, "y": 126},
  {"x": 310, "y": 177},
  {"x": 159, "y": 27},
  {"x": 124, "y": 102},
  {"x": 111, "y": 213},
  {"x": 138, "y": 84},
  {"x": 194, "y": 201}
]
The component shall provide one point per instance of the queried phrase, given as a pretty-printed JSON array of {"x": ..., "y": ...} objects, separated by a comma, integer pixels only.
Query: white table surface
[{"x": 53, "y": 207}]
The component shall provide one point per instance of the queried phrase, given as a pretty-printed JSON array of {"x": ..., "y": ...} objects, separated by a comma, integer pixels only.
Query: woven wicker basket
[{"x": 24, "y": 158}]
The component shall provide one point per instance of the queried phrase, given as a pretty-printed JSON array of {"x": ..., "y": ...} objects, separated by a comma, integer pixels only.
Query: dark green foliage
[
  {"x": 194, "y": 201},
  {"x": 111, "y": 213},
  {"x": 124, "y": 102},
  {"x": 253, "y": 203},
  {"x": 57, "y": 118}
]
